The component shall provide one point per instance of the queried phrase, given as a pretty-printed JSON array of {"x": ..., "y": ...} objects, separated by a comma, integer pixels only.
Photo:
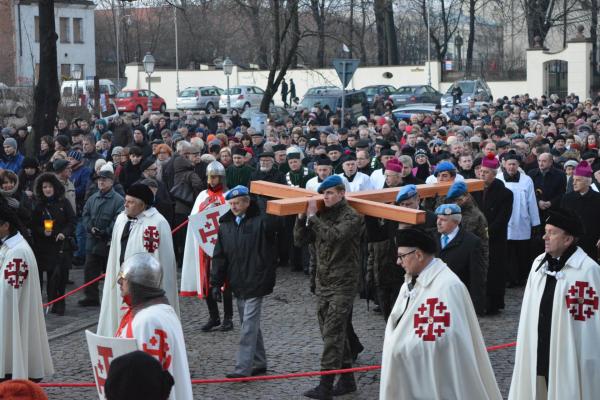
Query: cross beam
[{"x": 293, "y": 201}]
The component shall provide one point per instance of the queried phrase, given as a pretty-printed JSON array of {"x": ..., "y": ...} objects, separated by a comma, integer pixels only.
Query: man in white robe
[
  {"x": 357, "y": 181},
  {"x": 152, "y": 322},
  {"x": 139, "y": 228},
  {"x": 557, "y": 353},
  {"x": 24, "y": 350},
  {"x": 433, "y": 347}
]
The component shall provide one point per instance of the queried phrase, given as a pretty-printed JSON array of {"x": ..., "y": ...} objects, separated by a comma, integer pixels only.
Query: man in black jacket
[
  {"x": 245, "y": 257},
  {"x": 496, "y": 202},
  {"x": 462, "y": 251}
]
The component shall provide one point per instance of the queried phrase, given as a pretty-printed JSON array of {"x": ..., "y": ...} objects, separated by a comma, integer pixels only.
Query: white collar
[{"x": 13, "y": 240}]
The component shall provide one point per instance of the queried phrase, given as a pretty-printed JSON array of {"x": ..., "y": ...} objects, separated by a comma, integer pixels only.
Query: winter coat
[
  {"x": 184, "y": 172},
  {"x": 129, "y": 174},
  {"x": 101, "y": 211},
  {"x": 587, "y": 207},
  {"x": 245, "y": 254}
]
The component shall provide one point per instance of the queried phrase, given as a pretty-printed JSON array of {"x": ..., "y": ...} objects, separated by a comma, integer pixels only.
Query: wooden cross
[{"x": 293, "y": 201}]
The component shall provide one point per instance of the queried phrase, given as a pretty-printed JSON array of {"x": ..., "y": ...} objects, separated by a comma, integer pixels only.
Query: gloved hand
[{"x": 216, "y": 294}]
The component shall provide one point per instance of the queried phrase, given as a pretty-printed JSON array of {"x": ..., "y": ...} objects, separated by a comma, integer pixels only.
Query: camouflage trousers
[{"x": 334, "y": 317}]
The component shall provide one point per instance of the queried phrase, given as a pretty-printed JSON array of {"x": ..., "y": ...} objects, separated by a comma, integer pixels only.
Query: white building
[{"x": 75, "y": 44}]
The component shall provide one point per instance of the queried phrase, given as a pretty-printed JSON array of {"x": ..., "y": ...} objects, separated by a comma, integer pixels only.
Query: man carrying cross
[{"x": 557, "y": 353}]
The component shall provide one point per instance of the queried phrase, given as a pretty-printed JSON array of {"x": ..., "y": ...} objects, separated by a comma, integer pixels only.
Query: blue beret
[
  {"x": 329, "y": 182},
  {"x": 457, "y": 189},
  {"x": 406, "y": 192},
  {"x": 237, "y": 191},
  {"x": 444, "y": 166},
  {"x": 448, "y": 209}
]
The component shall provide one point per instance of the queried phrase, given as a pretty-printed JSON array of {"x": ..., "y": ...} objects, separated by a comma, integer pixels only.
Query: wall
[
  {"x": 7, "y": 43},
  {"x": 67, "y": 53},
  {"x": 164, "y": 82}
]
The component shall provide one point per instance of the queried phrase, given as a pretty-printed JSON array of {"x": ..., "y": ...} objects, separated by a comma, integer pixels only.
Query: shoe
[
  {"x": 88, "y": 303},
  {"x": 235, "y": 375},
  {"x": 356, "y": 351},
  {"x": 377, "y": 309},
  {"x": 210, "y": 324},
  {"x": 58, "y": 308},
  {"x": 324, "y": 390},
  {"x": 78, "y": 261},
  {"x": 346, "y": 384},
  {"x": 259, "y": 371},
  {"x": 227, "y": 325}
]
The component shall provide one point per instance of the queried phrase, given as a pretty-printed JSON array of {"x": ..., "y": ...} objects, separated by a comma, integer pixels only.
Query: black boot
[
  {"x": 210, "y": 324},
  {"x": 346, "y": 384},
  {"x": 227, "y": 325},
  {"x": 323, "y": 391}
]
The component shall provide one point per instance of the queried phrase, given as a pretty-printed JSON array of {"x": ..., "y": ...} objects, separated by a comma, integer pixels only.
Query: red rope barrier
[
  {"x": 178, "y": 227},
  {"x": 268, "y": 377},
  {"x": 73, "y": 291}
]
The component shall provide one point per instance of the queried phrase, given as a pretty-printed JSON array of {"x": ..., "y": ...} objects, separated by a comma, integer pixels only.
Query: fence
[{"x": 490, "y": 69}]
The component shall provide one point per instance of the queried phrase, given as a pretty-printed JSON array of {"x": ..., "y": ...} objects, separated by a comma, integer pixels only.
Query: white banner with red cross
[
  {"x": 205, "y": 226},
  {"x": 103, "y": 350}
]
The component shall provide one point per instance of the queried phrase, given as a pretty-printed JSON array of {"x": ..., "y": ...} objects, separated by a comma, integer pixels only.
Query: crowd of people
[{"x": 538, "y": 158}]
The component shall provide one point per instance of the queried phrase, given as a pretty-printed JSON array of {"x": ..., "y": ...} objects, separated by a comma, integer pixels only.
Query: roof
[{"x": 61, "y": 2}]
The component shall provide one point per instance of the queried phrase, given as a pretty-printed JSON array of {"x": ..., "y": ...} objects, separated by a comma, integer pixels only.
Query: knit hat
[
  {"x": 59, "y": 165},
  {"x": 10, "y": 142},
  {"x": 74, "y": 154},
  {"x": 490, "y": 161},
  {"x": 141, "y": 192},
  {"x": 583, "y": 169},
  {"x": 21, "y": 389},
  {"x": 107, "y": 171},
  {"x": 137, "y": 375}
]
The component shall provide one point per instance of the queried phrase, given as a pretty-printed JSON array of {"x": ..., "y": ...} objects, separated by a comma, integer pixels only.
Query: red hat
[
  {"x": 408, "y": 128},
  {"x": 583, "y": 169},
  {"x": 490, "y": 161},
  {"x": 394, "y": 165},
  {"x": 20, "y": 389}
]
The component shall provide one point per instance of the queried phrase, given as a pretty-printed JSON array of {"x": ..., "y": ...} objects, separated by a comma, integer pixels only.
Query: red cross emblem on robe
[
  {"x": 151, "y": 239},
  {"x": 158, "y": 347},
  {"x": 16, "y": 272},
  {"x": 431, "y": 319},
  {"x": 582, "y": 301}
]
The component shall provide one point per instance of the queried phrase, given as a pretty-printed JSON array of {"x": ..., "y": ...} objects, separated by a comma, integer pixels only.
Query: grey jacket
[{"x": 101, "y": 211}]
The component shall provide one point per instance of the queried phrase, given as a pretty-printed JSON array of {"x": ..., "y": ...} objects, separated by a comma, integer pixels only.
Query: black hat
[
  {"x": 238, "y": 151},
  {"x": 141, "y": 192},
  {"x": 362, "y": 144},
  {"x": 29, "y": 162},
  {"x": 279, "y": 147},
  {"x": 334, "y": 147},
  {"x": 59, "y": 165},
  {"x": 382, "y": 142},
  {"x": 312, "y": 142},
  {"x": 342, "y": 131},
  {"x": 138, "y": 375},
  {"x": 323, "y": 160},
  {"x": 502, "y": 143},
  {"x": 146, "y": 163},
  {"x": 510, "y": 155},
  {"x": 266, "y": 154},
  {"x": 415, "y": 237},
  {"x": 589, "y": 154},
  {"x": 136, "y": 151},
  {"x": 348, "y": 157},
  {"x": 566, "y": 220},
  {"x": 387, "y": 152},
  {"x": 294, "y": 156},
  {"x": 63, "y": 140}
]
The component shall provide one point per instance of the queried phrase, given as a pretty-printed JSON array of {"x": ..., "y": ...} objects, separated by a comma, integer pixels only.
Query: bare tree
[{"x": 444, "y": 17}]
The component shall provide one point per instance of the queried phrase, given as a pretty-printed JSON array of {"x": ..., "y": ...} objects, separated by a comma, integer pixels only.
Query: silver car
[
  {"x": 199, "y": 98},
  {"x": 242, "y": 97}
]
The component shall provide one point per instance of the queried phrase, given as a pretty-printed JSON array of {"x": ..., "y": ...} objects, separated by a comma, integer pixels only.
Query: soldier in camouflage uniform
[{"x": 335, "y": 231}]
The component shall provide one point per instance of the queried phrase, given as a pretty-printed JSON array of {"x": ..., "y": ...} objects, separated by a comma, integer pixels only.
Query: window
[
  {"x": 37, "y": 29},
  {"x": 65, "y": 70},
  {"x": 77, "y": 30},
  {"x": 65, "y": 31}
]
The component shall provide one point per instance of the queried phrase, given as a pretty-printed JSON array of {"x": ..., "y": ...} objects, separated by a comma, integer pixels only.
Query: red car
[{"x": 137, "y": 101}]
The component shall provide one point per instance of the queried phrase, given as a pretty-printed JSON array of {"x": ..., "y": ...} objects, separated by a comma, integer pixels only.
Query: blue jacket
[
  {"x": 80, "y": 178},
  {"x": 13, "y": 163}
]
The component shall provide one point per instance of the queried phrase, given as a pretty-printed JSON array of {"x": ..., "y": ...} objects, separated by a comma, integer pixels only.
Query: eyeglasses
[{"x": 401, "y": 256}]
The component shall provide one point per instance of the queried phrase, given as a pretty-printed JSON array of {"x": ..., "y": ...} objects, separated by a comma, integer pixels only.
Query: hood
[{"x": 59, "y": 189}]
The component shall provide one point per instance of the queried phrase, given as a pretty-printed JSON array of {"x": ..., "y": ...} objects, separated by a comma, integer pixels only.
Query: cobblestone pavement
[{"x": 291, "y": 337}]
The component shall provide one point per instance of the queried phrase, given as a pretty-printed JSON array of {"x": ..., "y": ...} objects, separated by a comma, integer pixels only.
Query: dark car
[
  {"x": 356, "y": 101},
  {"x": 382, "y": 90},
  {"x": 423, "y": 94}
]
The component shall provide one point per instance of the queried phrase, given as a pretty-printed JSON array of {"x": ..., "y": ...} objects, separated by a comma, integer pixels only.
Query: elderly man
[
  {"x": 456, "y": 343},
  {"x": 586, "y": 204},
  {"x": 138, "y": 229},
  {"x": 152, "y": 322},
  {"x": 463, "y": 252},
  {"x": 558, "y": 355},
  {"x": 334, "y": 230},
  {"x": 245, "y": 257},
  {"x": 378, "y": 176}
]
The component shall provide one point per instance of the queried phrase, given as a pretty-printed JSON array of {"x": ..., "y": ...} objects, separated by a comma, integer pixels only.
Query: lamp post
[
  {"x": 228, "y": 69},
  {"x": 76, "y": 74},
  {"x": 428, "y": 44},
  {"x": 458, "y": 43},
  {"x": 149, "y": 69}
]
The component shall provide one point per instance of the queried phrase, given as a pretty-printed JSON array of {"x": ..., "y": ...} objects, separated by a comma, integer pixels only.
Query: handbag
[{"x": 183, "y": 193}]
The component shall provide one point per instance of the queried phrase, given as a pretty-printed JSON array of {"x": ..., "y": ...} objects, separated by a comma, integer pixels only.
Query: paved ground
[{"x": 291, "y": 336}]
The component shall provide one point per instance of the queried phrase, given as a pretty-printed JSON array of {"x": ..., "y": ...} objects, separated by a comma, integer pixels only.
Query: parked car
[
  {"x": 242, "y": 97},
  {"x": 382, "y": 90},
  {"x": 136, "y": 100},
  {"x": 275, "y": 112},
  {"x": 405, "y": 112},
  {"x": 423, "y": 94},
  {"x": 475, "y": 89},
  {"x": 73, "y": 91},
  {"x": 199, "y": 97},
  {"x": 10, "y": 104},
  {"x": 318, "y": 89},
  {"x": 356, "y": 101}
]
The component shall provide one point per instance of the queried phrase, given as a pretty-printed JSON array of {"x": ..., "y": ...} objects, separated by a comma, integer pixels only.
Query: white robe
[
  {"x": 377, "y": 179},
  {"x": 158, "y": 325},
  {"x": 359, "y": 183},
  {"x": 313, "y": 184},
  {"x": 575, "y": 330},
  {"x": 431, "y": 179},
  {"x": 525, "y": 212},
  {"x": 142, "y": 238},
  {"x": 24, "y": 350},
  {"x": 441, "y": 358}
]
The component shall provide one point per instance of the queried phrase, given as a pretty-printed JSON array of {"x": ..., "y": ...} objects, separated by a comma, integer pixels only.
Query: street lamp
[
  {"x": 149, "y": 62},
  {"x": 76, "y": 74},
  {"x": 228, "y": 69},
  {"x": 458, "y": 43}
]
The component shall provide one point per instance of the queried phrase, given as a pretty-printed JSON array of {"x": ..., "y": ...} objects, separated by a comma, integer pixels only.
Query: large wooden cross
[{"x": 293, "y": 201}]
